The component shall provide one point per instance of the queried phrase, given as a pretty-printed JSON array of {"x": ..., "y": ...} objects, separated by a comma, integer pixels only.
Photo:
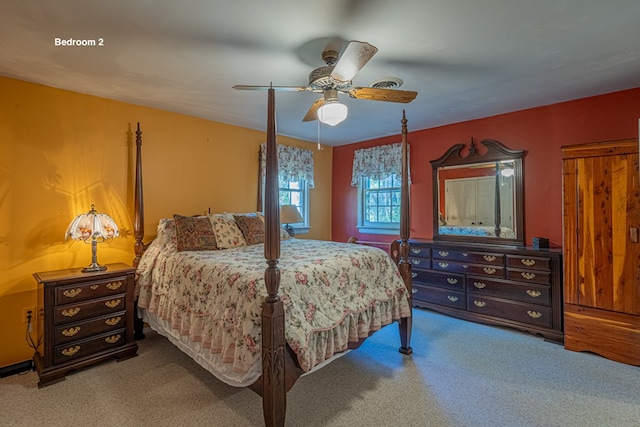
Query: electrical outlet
[{"x": 25, "y": 314}]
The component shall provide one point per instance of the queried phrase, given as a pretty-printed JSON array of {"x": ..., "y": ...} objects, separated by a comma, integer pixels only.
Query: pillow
[
  {"x": 166, "y": 231},
  {"x": 284, "y": 234},
  {"x": 228, "y": 234},
  {"x": 252, "y": 228},
  {"x": 194, "y": 233}
]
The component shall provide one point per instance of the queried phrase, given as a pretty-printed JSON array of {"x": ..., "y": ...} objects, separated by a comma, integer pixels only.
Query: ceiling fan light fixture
[{"x": 332, "y": 113}]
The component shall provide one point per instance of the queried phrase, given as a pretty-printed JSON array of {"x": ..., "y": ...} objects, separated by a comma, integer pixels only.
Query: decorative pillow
[
  {"x": 228, "y": 234},
  {"x": 194, "y": 233},
  {"x": 252, "y": 228},
  {"x": 284, "y": 234}
]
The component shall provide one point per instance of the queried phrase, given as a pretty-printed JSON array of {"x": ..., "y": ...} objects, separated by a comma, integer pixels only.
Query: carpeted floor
[{"x": 461, "y": 374}]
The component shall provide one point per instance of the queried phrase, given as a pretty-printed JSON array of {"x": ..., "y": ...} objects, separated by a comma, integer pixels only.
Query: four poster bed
[{"x": 319, "y": 299}]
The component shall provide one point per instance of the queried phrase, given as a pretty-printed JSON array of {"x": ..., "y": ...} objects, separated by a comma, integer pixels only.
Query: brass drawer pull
[
  {"x": 414, "y": 291},
  {"x": 72, "y": 293},
  {"x": 479, "y": 285},
  {"x": 414, "y": 275},
  {"x": 71, "y": 331},
  {"x": 527, "y": 275},
  {"x": 70, "y": 312},
  {"x": 534, "y": 314},
  {"x": 465, "y": 266},
  {"x": 533, "y": 293},
  {"x": 416, "y": 251},
  {"x": 528, "y": 262},
  {"x": 465, "y": 254},
  {"x": 415, "y": 261},
  {"x": 479, "y": 303},
  {"x": 452, "y": 298},
  {"x": 443, "y": 264},
  {"x": 489, "y": 270},
  {"x": 452, "y": 280},
  {"x": 113, "y": 303},
  {"x": 443, "y": 253},
  {"x": 113, "y": 321},
  {"x": 114, "y": 285},
  {"x": 94, "y": 287},
  {"x": 113, "y": 339},
  {"x": 489, "y": 258},
  {"x": 71, "y": 350}
]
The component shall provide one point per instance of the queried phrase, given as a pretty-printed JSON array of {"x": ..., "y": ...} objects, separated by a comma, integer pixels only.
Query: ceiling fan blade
[
  {"x": 354, "y": 57},
  {"x": 280, "y": 88},
  {"x": 389, "y": 95},
  {"x": 312, "y": 114}
]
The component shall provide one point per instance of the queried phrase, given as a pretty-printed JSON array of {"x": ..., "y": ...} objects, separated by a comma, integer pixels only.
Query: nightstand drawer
[
  {"x": 89, "y": 290},
  {"x": 76, "y": 349},
  {"x": 76, "y": 331},
  {"x": 75, "y": 312}
]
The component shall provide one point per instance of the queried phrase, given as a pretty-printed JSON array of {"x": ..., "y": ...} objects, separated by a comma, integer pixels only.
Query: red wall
[{"x": 540, "y": 131}]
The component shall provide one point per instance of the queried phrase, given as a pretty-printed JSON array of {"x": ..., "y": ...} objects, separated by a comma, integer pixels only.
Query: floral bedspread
[{"x": 333, "y": 293}]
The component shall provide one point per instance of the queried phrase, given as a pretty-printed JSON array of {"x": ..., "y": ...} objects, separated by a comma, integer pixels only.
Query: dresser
[
  {"x": 601, "y": 214},
  {"x": 86, "y": 318},
  {"x": 509, "y": 286}
]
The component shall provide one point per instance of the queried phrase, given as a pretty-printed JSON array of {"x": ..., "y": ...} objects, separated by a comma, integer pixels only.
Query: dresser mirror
[{"x": 479, "y": 197}]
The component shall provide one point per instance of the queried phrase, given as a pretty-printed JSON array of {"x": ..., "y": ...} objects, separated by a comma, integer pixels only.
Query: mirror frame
[{"x": 495, "y": 152}]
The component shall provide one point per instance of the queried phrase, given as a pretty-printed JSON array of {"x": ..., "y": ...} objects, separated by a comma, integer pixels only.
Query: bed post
[
  {"x": 259, "y": 206},
  {"x": 138, "y": 229},
  {"x": 138, "y": 222},
  {"x": 273, "y": 341},
  {"x": 403, "y": 264}
]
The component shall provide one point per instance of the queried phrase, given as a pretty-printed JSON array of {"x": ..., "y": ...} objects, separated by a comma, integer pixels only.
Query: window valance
[
  {"x": 293, "y": 163},
  {"x": 378, "y": 162}
]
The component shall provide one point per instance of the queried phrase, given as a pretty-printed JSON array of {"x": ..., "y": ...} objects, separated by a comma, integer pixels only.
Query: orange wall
[
  {"x": 540, "y": 131},
  {"x": 62, "y": 151}
]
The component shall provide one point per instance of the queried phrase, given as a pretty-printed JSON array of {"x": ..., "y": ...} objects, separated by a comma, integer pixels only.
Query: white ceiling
[{"x": 467, "y": 58}]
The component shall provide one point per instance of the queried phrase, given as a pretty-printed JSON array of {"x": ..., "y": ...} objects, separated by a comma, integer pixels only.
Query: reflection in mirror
[{"x": 479, "y": 197}]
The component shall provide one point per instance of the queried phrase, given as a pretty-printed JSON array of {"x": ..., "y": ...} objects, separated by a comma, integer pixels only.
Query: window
[
  {"x": 295, "y": 179},
  {"x": 379, "y": 205},
  {"x": 377, "y": 173},
  {"x": 295, "y": 193}
]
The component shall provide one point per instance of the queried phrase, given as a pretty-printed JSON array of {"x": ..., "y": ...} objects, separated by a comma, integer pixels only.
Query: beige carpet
[{"x": 461, "y": 374}]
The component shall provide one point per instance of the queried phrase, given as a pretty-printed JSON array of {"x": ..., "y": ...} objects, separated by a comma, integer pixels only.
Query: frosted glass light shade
[{"x": 332, "y": 113}]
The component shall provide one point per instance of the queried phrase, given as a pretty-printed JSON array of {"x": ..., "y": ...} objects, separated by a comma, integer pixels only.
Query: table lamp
[
  {"x": 289, "y": 214},
  {"x": 92, "y": 227}
]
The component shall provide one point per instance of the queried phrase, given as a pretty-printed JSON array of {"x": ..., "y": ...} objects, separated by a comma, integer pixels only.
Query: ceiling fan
[{"x": 336, "y": 77}]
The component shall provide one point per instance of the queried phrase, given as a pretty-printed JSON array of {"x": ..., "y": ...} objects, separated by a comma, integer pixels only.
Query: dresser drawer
[
  {"x": 532, "y": 276},
  {"x": 420, "y": 262},
  {"x": 468, "y": 257},
  {"x": 419, "y": 252},
  {"x": 84, "y": 310},
  {"x": 525, "y": 313},
  {"x": 79, "y": 330},
  {"x": 529, "y": 262},
  {"x": 445, "y": 280},
  {"x": 89, "y": 290},
  {"x": 531, "y": 293},
  {"x": 76, "y": 349},
  {"x": 477, "y": 269},
  {"x": 439, "y": 296}
]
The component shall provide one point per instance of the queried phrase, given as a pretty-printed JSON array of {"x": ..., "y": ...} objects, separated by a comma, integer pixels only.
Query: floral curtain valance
[
  {"x": 293, "y": 163},
  {"x": 378, "y": 162}
]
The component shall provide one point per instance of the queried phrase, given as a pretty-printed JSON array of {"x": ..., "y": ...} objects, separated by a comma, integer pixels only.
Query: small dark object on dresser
[{"x": 540, "y": 243}]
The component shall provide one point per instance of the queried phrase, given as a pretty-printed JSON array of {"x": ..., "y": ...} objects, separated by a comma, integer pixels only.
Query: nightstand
[{"x": 87, "y": 318}]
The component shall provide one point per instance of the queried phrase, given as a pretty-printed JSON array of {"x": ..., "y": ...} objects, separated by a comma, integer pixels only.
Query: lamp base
[{"x": 94, "y": 267}]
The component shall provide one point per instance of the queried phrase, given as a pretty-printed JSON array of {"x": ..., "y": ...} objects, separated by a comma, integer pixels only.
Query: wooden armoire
[{"x": 602, "y": 249}]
